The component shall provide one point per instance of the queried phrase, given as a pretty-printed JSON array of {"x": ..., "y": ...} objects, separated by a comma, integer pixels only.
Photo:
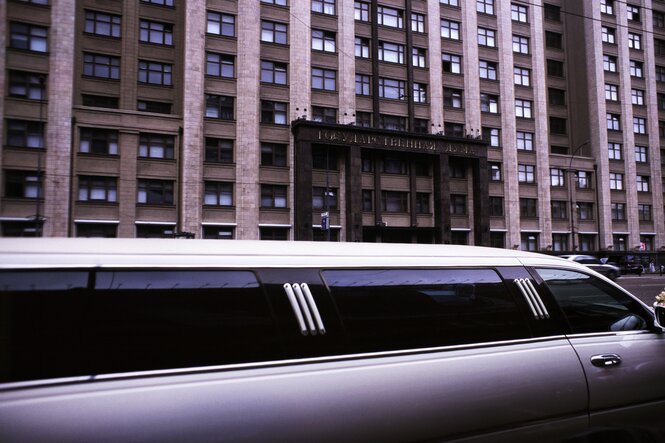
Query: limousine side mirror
[{"x": 660, "y": 317}]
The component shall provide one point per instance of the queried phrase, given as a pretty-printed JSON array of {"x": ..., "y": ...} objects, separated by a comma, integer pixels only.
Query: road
[{"x": 645, "y": 287}]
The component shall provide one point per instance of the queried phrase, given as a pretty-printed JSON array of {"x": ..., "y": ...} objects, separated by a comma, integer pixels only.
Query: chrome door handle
[{"x": 605, "y": 360}]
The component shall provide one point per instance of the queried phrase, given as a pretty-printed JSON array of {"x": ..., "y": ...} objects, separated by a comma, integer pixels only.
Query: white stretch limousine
[{"x": 122, "y": 340}]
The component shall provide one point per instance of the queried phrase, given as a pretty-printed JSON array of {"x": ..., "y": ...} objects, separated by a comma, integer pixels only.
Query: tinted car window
[
  {"x": 386, "y": 309},
  {"x": 590, "y": 304}
]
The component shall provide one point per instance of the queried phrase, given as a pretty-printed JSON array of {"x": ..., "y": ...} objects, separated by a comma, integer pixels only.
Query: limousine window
[
  {"x": 592, "y": 305},
  {"x": 388, "y": 309}
]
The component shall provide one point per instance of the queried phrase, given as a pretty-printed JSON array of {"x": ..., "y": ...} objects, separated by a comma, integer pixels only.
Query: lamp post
[
  {"x": 571, "y": 184},
  {"x": 38, "y": 217}
]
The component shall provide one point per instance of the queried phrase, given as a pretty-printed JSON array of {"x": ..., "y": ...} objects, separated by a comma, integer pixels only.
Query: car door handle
[{"x": 605, "y": 360}]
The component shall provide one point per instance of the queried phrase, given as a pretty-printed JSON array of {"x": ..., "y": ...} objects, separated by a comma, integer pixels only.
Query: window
[
  {"x": 364, "y": 119},
  {"x": 99, "y": 101},
  {"x": 389, "y": 17},
  {"x": 496, "y": 206},
  {"x": 452, "y": 97},
  {"x": 639, "y": 125},
  {"x": 457, "y": 168},
  {"x": 489, "y": 103},
  {"x": 368, "y": 200},
  {"x": 417, "y": 22},
  {"x": 487, "y": 37},
  {"x": 99, "y": 141},
  {"x": 609, "y": 63},
  {"x": 154, "y": 73},
  {"x": 616, "y": 181},
  {"x": 584, "y": 210},
  {"x": 613, "y": 122},
  {"x": 522, "y": 108},
  {"x": 28, "y": 37},
  {"x": 488, "y": 70},
  {"x": 156, "y": 146},
  {"x": 590, "y": 304},
  {"x": 418, "y": 57},
  {"x": 392, "y": 164},
  {"x": 450, "y": 29},
  {"x": 27, "y": 85},
  {"x": 392, "y": 122},
  {"x": 584, "y": 179},
  {"x": 524, "y": 141},
  {"x": 452, "y": 64},
  {"x": 636, "y": 69},
  {"x": 526, "y": 173},
  {"x": 324, "y": 6},
  {"x": 394, "y": 201},
  {"x": 323, "y": 41},
  {"x": 219, "y": 106},
  {"x": 221, "y": 24},
  {"x": 528, "y": 208},
  {"x": 408, "y": 307},
  {"x": 618, "y": 211},
  {"x": 155, "y": 192},
  {"x": 101, "y": 66},
  {"x": 273, "y": 112},
  {"x": 419, "y": 92},
  {"x": 644, "y": 212},
  {"x": 214, "y": 232},
  {"x": 422, "y": 203},
  {"x": 642, "y": 183},
  {"x": 97, "y": 189},
  {"x": 608, "y": 35},
  {"x": 218, "y": 193},
  {"x": 392, "y": 89},
  {"x": 267, "y": 233},
  {"x": 520, "y": 44},
  {"x": 647, "y": 242},
  {"x": 552, "y": 12},
  {"x": 637, "y": 97},
  {"x": 25, "y": 134},
  {"x": 641, "y": 155},
  {"x": 220, "y": 65},
  {"x": 614, "y": 151},
  {"x": 559, "y": 209},
  {"x": 492, "y": 136},
  {"x": 391, "y": 52},
  {"x": 324, "y": 79},
  {"x": 421, "y": 125},
  {"x": 155, "y": 230},
  {"x": 495, "y": 172},
  {"x": 485, "y": 6},
  {"x": 156, "y": 32},
  {"x": 363, "y": 84},
  {"x": 324, "y": 114},
  {"x": 658, "y": 19},
  {"x": 611, "y": 92},
  {"x": 97, "y": 230},
  {"x": 457, "y": 204},
  {"x": 153, "y": 106},
  {"x": 659, "y": 46},
  {"x": 529, "y": 242},
  {"x": 102, "y": 24},
  {"x": 450, "y": 2},
  {"x": 273, "y": 196},
  {"x": 519, "y": 13},
  {"x": 272, "y": 32},
  {"x": 634, "y": 41},
  {"x": 273, "y": 72},
  {"x": 607, "y": 7},
  {"x": 553, "y": 40},
  {"x": 521, "y": 76},
  {"x": 362, "y": 47},
  {"x": 557, "y": 178},
  {"x": 23, "y": 184},
  {"x": 218, "y": 150},
  {"x": 555, "y": 68},
  {"x": 273, "y": 154},
  {"x": 361, "y": 11},
  {"x": 556, "y": 97},
  {"x": 168, "y": 3}
]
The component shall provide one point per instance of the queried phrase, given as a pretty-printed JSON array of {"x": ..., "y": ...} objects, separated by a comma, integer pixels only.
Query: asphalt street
[{"x": 645, "y": 287}]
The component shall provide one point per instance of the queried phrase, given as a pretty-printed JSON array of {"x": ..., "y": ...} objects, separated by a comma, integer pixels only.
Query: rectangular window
[
  {"x": 524, "y": 141},
  {"x": 273, "y": 154},
  {"x": 324, "y": 114},
  {"x": 154, "y": 73},
  {"x": 392, "y": 89},
  {"x": 364, "y": 119},
  {"x": 495, "y": 172},
  {"x": 607, "y": 7},
  {"x": 488, "y": 70},
  {"x": 458, "y": 204},
  {"x": 611, "y": 92},
  {"x": 609, "y": 63},
  {"x": 394, "y": 201},
  {"x": 642, "y": 183},
  {"x": 520, "y": 44},
  {"x": 324, "y": 198},
  {"x": 272, "y": 32},
  {"x": 636, "y": 69},
  {"x": 557, "y": 178},
  {"x": 528, "y": 208},
  {"x": 558, "y": 125},
  {"x": 391, "y": 52},
  {"x": 220, "y": 65},
  {"x": 218, "y": 193},
  {"x": 419, "y": 92},
  {"x": 218, "y": 150},
  {"x": 618, "y": 211},
  {"x": 153, "y": 106},
  {"x": 27, "y": 85},
  {"x": 450, "y": 29},
  {"x": 392, "y": 122},
  {"x": 489, "y": 103},
  {"x": 641, "y": 154},
  {"x": 101, "y": 66},
  {"x": 155, "y": 192},
  {"x": 644, "y": 212},
  {"x": 99, "y": 23},
  {"x": 450, "y": 2},
  {"x": 556, "y": 97},
  {"x": 417, "y": 22},
  {"x": 23, "y": 184},
  {"x": 616, "y": 181},
  {"x": 324, "y": 6},
  {"x": 485, "y": 6},
  {"x": 492, "y": 136},
  {"x": 219, "y": 106},
  {"x": 25, "y": 134},
  {"x": 585, "y": 210},
  {"x": 496, "y": 206},
  {"x": 452, "y": 98},
  {"x": 323, "y": 41},
  {"x": 98, "y": 189},
  {"x": 361, "y": 11},
  {"x": 521, "y": 76},
  {"x": 221, "y": 24},
  {"x": 362, "y": 47},
  {"x": 559, "y": 242},
  {"x": 99, "y": 141},
  {"x": 526, "y": 173},
  {"x": 583, "y": 179},
  {"x": 559, "y": 210},
  {"x": 522, "y": 108},
  {"x": 608, "y": 35},
  {"x": 273, "y": 112},
  {"x": 156, "y": 146},
  {"x": 419, "y": 57},
  {"x": 168, "y": 3},
  {"x": 273, "y": 72},
  {"x": 156, "y": 32},
  {"x": 422, "y": 203},
  {"x": 639, "y": 125},
  {"x": 555, "y": 68},
  {"x": 99, "y": 101},
  {"x": 452, "y": 63},
  {"x": 273, "y": 196},
  {"x": 552, "y": 12},
  {"x": 389, "y": 17},
  {"x": 637, "y": 97},
  {"x": 363, "y": 84},
  {"x": 487, "y": 37},
  {"x": 28, "y": 37},
  {"x": 324, "y": 79},
  {"x": 634, "y": 41},
  {"x": 613, "y": 122},
  {"x": 614, "y": 151},
  {"x": 519, "y": 13}
]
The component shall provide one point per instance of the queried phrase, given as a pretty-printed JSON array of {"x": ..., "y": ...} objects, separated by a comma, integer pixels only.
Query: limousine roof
[{"x": 98, "y": 252}]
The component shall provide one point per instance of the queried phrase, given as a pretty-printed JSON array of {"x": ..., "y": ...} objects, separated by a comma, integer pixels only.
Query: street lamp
[
  {"x": 570, "y": 192},
  {"x": 38, "y": 218}
]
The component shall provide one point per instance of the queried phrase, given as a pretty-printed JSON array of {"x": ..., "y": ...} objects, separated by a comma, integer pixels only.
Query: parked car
[
  {"x": 627, "y": 264},
  {"x": 608, "y": 270}
]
